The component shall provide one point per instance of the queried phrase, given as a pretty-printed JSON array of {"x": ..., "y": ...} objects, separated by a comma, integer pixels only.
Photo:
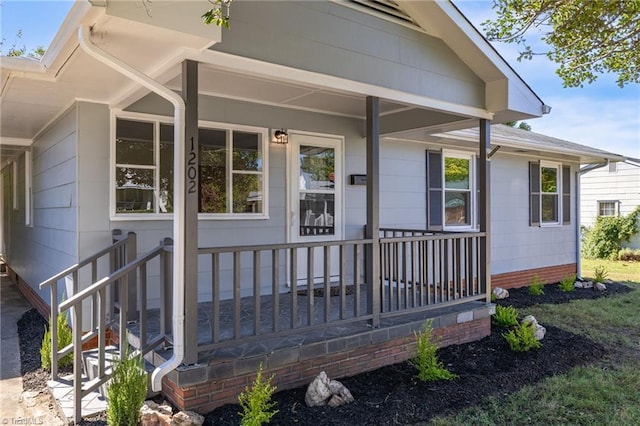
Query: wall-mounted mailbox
[{"x": 358, "y": 179}]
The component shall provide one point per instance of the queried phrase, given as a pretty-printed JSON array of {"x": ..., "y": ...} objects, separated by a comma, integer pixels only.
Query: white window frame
[
  {"x": 616, "y": 208},
  {"x": 472, "y": 191},
  {"x": 558, "y": 193},
  {"x": 157, "y": 120}
]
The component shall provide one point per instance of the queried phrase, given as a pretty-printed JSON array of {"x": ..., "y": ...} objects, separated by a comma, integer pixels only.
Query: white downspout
[
  {"x": 579, "y": 173},
  {"x": 84, "y": 36}
]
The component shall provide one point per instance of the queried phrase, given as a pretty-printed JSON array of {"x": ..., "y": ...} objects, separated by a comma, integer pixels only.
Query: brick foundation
[
  {"x": 299, "y": 366},
  {"x": 551, "y": 274},
  {"x": 30, "y": 294}
]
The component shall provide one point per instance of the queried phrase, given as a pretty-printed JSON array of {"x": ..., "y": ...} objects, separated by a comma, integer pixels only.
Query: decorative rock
[
  {"x": 531, "y": 321},
  {"x": 153, "y": 414},
  {"x": 322, "y": 391},
  {"x": 601, "y": 287},
  {"x": 187, "y": 418},
  {"x": 578, "y": 284},
  {"x": 500, "y": 293},
  {"x": 318, "y": 391}
]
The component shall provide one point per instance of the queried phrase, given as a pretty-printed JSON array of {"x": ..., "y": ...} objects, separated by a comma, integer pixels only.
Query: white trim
[
  {"x": 234, "y": 63},
  {"x": 16, "y": 141},
  {"x": 157, "y": 120},
  {"x": 14, "y": 185},
  {"x": 465, "y": 155},
  {"x": 28, "y": 195},
  {"x": 559, "y": 186}
]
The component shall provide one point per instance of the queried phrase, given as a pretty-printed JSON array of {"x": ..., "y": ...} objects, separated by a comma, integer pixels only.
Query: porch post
[
  {"x": 485, "y": 205},
  {"x": 372, "y": 230},
  {"x": 192, "y": 190}
]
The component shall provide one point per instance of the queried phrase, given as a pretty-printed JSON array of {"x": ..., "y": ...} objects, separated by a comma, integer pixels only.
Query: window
[
  {"x": 549, "y": 194},
  {"x": 607, "y": 208},
  {"x": 231, "y": 168},
  {"x": 451, "y": 199}
]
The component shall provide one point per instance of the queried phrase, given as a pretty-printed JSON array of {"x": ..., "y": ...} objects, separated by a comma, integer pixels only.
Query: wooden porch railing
[{"x": 99, "y": 294}]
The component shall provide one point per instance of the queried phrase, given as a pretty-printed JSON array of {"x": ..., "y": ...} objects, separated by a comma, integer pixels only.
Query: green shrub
[
  {"x": 426, "y": 362},
  {"x": 257, "y": 407},
  {"x": 522, "y": 338},
  {"x": 567, "y": 283},
  {"x": 602, "y": 241},
  {"x": 505, "y": 316},
  {"x": 126, "y": 391},
  {"x": 494, "y": 298},
  {"x": 536, "y": 287},
  {"x": 65, "y": 338},
  {"x": 629, "y": 255},
  {"x": 600, "y": 273}
]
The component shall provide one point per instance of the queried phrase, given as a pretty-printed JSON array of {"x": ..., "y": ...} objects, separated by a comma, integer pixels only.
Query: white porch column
[
  {"x": 372, "y": 230},
  {"x": 485, "y": 205}
]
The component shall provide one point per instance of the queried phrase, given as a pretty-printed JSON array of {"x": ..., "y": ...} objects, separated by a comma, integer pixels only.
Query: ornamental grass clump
[
  {"x": 64, "y": 339},
  {"x": 426, "y": 362},
  {"x": 505, "y": 316},
  {"x": 567, "y": 283},
  {"x": 257, "y": 407},
  {"x": 522, "y": 338},
  {"x": 601, "y": 274},
  {"x": 126, "y": 391},
  {"x": 536, "y": 288}
]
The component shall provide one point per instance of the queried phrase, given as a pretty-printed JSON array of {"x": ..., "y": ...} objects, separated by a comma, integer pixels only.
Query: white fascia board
[
  {"x": 15, "y": 141},
  {"x": 233, "y": 63}
]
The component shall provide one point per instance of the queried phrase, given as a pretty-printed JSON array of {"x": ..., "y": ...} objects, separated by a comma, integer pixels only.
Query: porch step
[{"x": 62, "y": 391}]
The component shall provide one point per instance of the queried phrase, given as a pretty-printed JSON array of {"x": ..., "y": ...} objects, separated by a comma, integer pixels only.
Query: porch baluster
[
  {"x": 256, "y": 292},
  {"x": 293, "y": 277},
  {"x": 357, "y": 254},
  {"x": 275, "y": 291},
  {"x": 237, "y": 294},
  {"x": 343, "y": 282},
  {"x": 327, "y": 284},
  {"x": 215, "y": 297},
  {"x": 310, "y": 301}
]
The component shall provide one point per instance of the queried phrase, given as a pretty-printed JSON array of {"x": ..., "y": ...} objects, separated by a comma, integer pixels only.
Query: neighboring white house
[
  {"x": 394, "y": 184},
  {"x": 612, "y": 190}
]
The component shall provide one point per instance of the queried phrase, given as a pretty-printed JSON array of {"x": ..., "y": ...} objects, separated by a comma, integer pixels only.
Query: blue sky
[{"x": 601, "y": 115}]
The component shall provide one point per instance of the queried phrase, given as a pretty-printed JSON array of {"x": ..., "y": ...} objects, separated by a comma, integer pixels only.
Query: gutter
[
  {"x": 583, "y": 170},
  {"x": 84, "y": 37}
]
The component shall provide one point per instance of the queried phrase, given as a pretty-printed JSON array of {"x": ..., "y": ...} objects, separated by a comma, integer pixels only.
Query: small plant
[
  {"x": 567, "y": 283},
  {"x": 600, "y": 273},
  {"x": 494, "y": 298},
  {"x": 426, "y": 362},
  {"x": 536, "y": 288},
  {"x": 522, "y": 338},
  {"x": 505, "y": 316},
  {"x": 257, "y": 407},
  {"x": 64, "y": 338},
  {"x": 126, "y": 390}
]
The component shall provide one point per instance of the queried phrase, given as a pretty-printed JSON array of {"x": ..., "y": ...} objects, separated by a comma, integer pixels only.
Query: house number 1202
[{"x": 192, "y": 171}]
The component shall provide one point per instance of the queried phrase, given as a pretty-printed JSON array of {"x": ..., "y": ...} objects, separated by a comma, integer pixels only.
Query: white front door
[{"x": 315, "y": 199}]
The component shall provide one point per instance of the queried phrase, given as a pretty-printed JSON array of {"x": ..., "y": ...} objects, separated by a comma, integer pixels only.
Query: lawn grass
[
  {"x": 605, "y": 392},
  {"x": 618, "y": 270}
]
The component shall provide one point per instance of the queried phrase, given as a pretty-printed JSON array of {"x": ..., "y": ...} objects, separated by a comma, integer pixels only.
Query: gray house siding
[
  {"x": 51, "y": 244},
  {"x": 514, "y": 244},
  {"x": 335, "y": 40}
]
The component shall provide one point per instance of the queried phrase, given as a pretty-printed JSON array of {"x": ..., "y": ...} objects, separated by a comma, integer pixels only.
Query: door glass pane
[
  {"x": 134, "y": 190},
  {"x": 549, "y": 208},
  {"x": 165, "y": 194},
  {"x": 549, "y": 178},
  {"x": 317, "y": 213},
  {"x": 456, "y": 208},
  {"x": 134, "y": 142},
  {"x": 246, "y": 151},
  {"x": 213, "y": 170},
  {"x": 316, "y": 168},
  {"x": 247, "y": 194},
  {"x": 456, "y": 173}
]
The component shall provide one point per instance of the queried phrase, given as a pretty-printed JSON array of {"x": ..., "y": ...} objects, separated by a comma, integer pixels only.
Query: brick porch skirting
[{"x": 551, "y": 274}]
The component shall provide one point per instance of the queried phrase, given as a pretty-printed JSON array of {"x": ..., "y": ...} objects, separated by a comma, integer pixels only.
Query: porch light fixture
[{"x": 280, "y": 136}]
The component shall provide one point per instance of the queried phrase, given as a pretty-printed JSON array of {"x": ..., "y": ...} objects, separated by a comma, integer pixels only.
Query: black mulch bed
[
  {"x": 392, "y": 395},
  {"x": 520, "y": 297}
]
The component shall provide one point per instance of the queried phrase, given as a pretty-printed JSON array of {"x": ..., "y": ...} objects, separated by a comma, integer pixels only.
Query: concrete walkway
[{"x": 16, "y": 406}]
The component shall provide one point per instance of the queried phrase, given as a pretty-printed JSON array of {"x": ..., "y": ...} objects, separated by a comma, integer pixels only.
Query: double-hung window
[
  {"x": 232, "y": 169},
  {"x": 451, "y": 195},
  {"x": 549, "y": 194},
  {"x": 608, "y": 208}
]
